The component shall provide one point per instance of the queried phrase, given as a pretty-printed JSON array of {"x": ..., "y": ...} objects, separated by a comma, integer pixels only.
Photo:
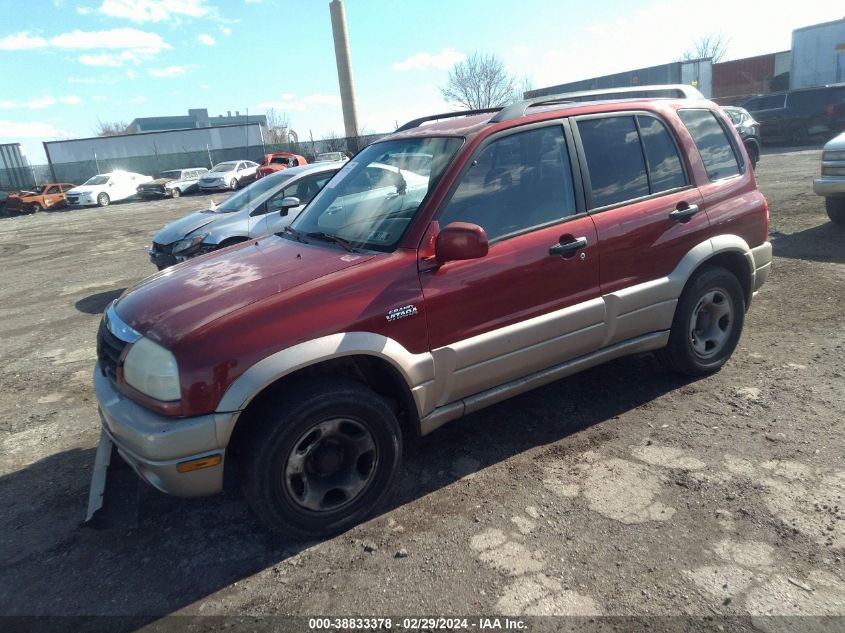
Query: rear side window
[
  {"x": 517, "y": 182},
  {"x": 712, "y": 142},
  {"x": 664, "y": 164},
  {"x": 614, "y": 159}
]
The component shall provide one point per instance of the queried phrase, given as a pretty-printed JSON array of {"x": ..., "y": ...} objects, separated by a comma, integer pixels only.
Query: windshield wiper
[
  {"x": 296, "y": 234},
  {"x": 334, "y": 239}
]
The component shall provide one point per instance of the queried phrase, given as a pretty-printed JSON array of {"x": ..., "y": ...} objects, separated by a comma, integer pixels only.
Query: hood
[
  {"x": 836, "y": 143},
  {"x": 211, "y": 175},
  {"x": 184, "y": 226},
  {"x": 85, "y": 189},
  {"x": 189, "y": 296},
  {"x": 160, "y": 181}
]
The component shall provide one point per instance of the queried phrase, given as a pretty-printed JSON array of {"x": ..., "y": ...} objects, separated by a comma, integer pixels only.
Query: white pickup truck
[{"x": 831, "y": 182}]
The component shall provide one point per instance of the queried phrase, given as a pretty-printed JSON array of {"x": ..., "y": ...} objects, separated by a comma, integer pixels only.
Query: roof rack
[
  {"x": 446, "y": 115},
  {"x": 667, "y": 91}
]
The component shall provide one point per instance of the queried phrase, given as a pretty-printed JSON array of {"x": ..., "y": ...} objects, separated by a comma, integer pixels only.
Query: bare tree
[
  {"x": 524, "y": 85},
  {"x": 333, "y": 143},
  {"x": 111, "y": 128},
  {"x": 480, "y": 81},
  {"x": 278, "y": 127},
  {"x": 712, "y": 45}
]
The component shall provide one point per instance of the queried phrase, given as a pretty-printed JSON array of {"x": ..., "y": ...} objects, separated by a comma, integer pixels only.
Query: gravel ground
[{"x": 624, "y": 490}]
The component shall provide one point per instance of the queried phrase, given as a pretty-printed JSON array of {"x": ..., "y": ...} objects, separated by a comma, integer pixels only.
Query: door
[
  {"x": 648, "y": 215},
  {"x": 533, "y": 300},
  {"x": 52, "y": 195},
  {"x": 275, "y": 218}
]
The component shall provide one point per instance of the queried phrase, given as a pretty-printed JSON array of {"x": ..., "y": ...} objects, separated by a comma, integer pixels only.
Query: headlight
[
  {"x": 152, "y": 370},
  {"x": 188, "y": 243}
]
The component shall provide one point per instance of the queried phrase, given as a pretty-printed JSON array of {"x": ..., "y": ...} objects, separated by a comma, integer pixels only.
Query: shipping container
[
  {"x": 818, "y": 55},
  {"x": 15, "y": 171}
]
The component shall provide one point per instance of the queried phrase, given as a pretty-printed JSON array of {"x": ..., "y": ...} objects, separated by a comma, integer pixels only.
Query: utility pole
[{"x": 344, "y": 74}]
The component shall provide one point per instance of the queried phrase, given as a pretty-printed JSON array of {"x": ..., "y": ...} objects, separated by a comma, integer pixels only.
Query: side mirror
[
  {"x": 460, "y": 240},
  {"x": 289, "y": 203}
]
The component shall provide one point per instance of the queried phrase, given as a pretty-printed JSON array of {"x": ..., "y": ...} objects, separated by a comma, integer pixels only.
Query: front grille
[
  {"x": 72, "y": 199},
  {"x": 162, "y": 248},
  {"x": 109, "y": 348}
]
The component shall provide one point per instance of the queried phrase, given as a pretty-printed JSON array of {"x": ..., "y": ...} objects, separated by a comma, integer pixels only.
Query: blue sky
[{"x": 68, "y": 63}]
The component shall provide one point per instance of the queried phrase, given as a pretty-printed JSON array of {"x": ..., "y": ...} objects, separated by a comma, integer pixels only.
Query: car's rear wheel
[
  {"x": 707, "y": 324},
  {"x": 234, "y": 184},
  {"x": 835, "y": 208},
  {"x": 103, "y": 200},
  {"x": 321, "y": 458}
]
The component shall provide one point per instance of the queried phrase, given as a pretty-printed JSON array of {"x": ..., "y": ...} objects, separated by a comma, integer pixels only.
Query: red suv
[{"x": 535, "y": 241}]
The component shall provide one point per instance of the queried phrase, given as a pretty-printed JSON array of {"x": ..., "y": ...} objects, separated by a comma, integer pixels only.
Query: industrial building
[
  {"x": 196, "y": 118},
  {"x": 817, "y": 58},
  {"x": 15, "y": 171},
  {"x": 150, "y": 153}
]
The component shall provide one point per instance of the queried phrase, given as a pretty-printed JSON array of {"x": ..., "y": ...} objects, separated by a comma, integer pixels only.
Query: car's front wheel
[
  {"x": 103, "y": 200},
  {"x": 835, "y": 208},
  {"x": 321, "y": 458},
  {"x": 708, "y": 323},
  {"x": 35, "y": 207},
  {"x": 175, "y": 192}
]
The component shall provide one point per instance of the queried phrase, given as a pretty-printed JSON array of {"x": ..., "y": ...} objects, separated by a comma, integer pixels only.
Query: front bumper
[
  {"x": 762, "y": 256},
  {"x": 154, "y": 445},
  {"x": 829, "y": 186}
]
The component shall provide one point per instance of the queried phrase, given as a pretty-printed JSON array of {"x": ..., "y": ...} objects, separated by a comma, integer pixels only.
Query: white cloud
[
  {"x": 131, "y": 74},
  {"x": 205, "y": 38},
  {"x": 138, "y": 99},
  {"x": 38, "y": 103},
  {"x": 88, "y": 81},
  {"x": 292, "y": 102},
  {"x": 99, "y": 98},
  {"x": 134, "y": 45},
  {"x": 225, "y": 30},
  {"x": 21, "y": 41},
  {"x": 443, "y": 60},
  {"x": 170, "y": 71},
  {"x": 31, "y": 129},
  {"x": 154, "y": 10}
]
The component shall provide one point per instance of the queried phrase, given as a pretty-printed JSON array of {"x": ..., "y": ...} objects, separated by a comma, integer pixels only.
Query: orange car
[
  {"x": 279, "y": 161},
  {"x": 47, "y": 196}
]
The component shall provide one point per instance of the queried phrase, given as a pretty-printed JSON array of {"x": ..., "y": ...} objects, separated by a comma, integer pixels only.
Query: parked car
[
  {"x": 262, "y": 208},
  {"x": 328, "y": 157},
  {"x": 546, "y": 238},
  {"x": 279, "y": 161},
  {"x": 798, "y": 116},
  {"x": 104, "y": 189},
  {"x": 749, "y": 131},
  {"x": 232, "y": 175},
  {"x": 172, "y": 183},
  {"x": 47, "y": 196},
  {"x": 831, "y": 182}
]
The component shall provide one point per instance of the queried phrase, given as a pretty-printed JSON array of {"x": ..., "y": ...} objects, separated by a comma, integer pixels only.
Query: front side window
[
  {"x": 614, "y": 159},
  {"x": 712, "y": 142},
  {"x": 371, "y": 202},
  {"x": 517, "y": 182}
]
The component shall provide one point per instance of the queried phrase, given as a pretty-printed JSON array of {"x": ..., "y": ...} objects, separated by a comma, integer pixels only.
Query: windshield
[
  {"x": 248, "y": 194},
  {"x": 97, "y": 180},
  {"x": 329, "y": 156},
  {"x": 38, "y": 189},
  {"x": 224, "y": 167},
  {"x": 370, "y": 202},
  {"x": 171, "y": 174},
  {"x": 734, "y": 115}
]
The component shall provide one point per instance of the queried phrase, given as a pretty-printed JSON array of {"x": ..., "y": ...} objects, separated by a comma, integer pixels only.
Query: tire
[
  {"x": 175, "y": 193},
  {"x": 231, "y": 242},
  {"x": 835, "y": 208},
  {"x": 103, "y": 200},
  {"x": 753, "y": 154},
  {"x": 698, "y": 344},
  {"x": 35, "y": 207},
  {"x": 337, "y": 425},
  {"x": 234, "y": 184}
]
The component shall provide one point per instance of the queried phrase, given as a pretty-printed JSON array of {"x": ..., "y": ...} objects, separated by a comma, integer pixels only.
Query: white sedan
[
  {"x": 232, "y": 175},
  {"x": 103, "y": 189}
]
